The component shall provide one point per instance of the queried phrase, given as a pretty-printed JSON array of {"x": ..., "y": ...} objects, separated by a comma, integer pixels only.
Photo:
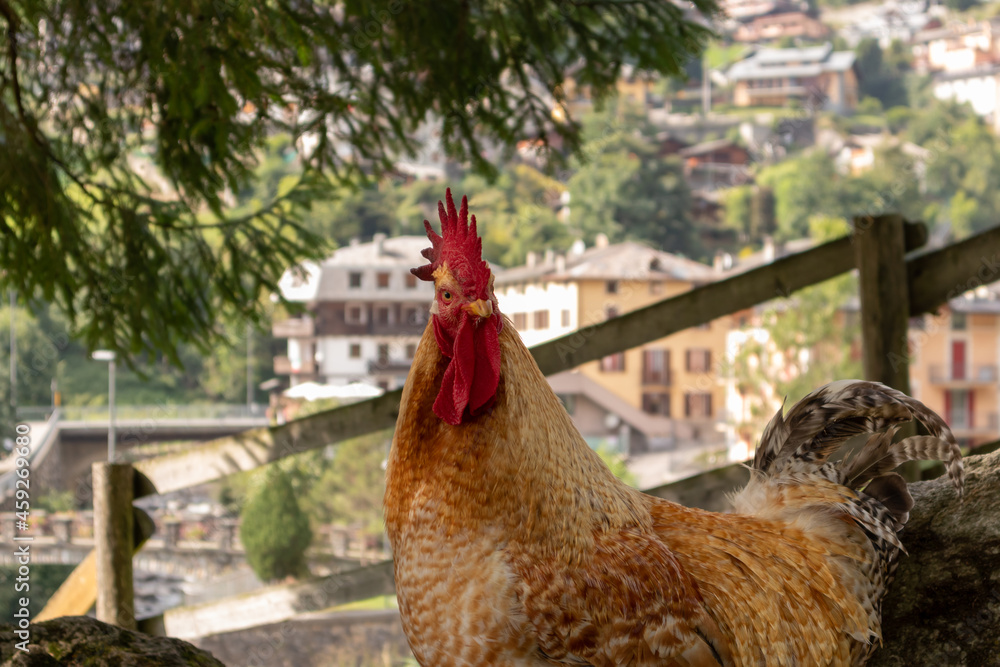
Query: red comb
[{"x": 458, "y": 245}]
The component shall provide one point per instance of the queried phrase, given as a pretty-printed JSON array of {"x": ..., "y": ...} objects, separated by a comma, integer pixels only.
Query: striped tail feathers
[
  {"x": 873, "y": 462},
  {"x": 772, "y": 441},
  {"x": 820, "y": 423},
  {"x": 794, "y": 480},
  {"x": 825, "y": 419}
]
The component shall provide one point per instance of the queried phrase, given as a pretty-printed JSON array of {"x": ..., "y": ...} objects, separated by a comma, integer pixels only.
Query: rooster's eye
[{"x": 446, "y": 295}]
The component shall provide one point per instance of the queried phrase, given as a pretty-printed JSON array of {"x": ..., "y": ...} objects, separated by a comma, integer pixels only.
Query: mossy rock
[
  {"x": 943, "y": 609},
  {"x": 81, "y": 641}
]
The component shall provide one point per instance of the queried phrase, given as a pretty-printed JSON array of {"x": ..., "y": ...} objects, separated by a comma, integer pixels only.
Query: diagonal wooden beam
[
  {"x": 938, "y": 276},
  {"x": 251, "y": 449}
]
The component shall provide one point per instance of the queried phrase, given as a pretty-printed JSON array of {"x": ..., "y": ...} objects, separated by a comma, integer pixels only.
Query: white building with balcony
[{"x": 365, "y": 313}]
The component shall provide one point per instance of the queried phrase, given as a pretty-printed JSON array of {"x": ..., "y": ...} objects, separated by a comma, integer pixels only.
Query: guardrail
[
  {"x": 123, "y": 413},
  {"x": 294, "y": 327},
  {"x": 284, "y": 366},
  {"x": 34, "y": 413}
]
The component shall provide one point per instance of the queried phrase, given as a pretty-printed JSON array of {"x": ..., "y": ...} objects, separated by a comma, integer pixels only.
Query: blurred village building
[
  {"x": 663, "y": 395},
  {"x": 964, "y": 62},
  {"x": 814, "y": 76},
  {"x": 780, "y": 26},
  {"x": 954, "y": 361},
  {"x": 364, "y": 315}
]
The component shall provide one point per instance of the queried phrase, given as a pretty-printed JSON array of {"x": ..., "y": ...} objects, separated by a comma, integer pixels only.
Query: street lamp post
[
  {"x": 249, "y": 368},
  {"x": 109, "y": 356},
  {"x": 13, "y": 353}
]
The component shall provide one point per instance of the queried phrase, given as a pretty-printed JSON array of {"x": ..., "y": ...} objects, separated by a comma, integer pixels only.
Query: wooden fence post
[
  {"x": 879, "y": 252},
  {"x": 885, "y": 301},
  {"x": 113, "y": 540}
]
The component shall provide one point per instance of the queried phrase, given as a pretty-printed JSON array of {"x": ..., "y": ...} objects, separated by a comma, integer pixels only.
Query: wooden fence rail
[
  {"x": 931, "y": 280},
  {"x": 248, "y": 450}
]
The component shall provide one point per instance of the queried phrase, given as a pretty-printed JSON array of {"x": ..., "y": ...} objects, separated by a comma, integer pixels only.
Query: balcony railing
[
  {"x": 763, "y": 91},
  {"x": 978, "y": 374},
  {"x": 296, "y": 327},
  {"x": 284, "y": 366},
  {"x": 968, "y": 426},
  {"x": 388, "y": 366},
  {"x": 663, "y": 378}
]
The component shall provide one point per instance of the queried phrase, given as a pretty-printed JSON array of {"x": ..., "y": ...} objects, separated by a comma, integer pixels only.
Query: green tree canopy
[
  {"x": 803, "y": 186},
  {"x": 965, "y": 177},
  {"x": 128, "y": 128},
  {"x": 520, "y": 207},
  {"x": 655, "y": 203},
  {"x": 738, "y": 202},
  {"x": 961, "y": 5},
  {"x": 349, "y": 485},
  {"x": 274, "y": 530},
  {"x": 39, "y": 349},
  {"x": 809, "y": 185},
  {"x": 881, "y": 73},
  {"x": 624, "y": 188}
]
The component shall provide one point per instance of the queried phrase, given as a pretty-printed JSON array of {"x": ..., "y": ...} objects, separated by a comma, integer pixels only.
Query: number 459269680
[{"x": 22, "y": 449}]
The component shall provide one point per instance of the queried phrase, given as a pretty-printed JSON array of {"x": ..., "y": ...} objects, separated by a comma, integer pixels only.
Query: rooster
[{"x": 514, "y": 544}]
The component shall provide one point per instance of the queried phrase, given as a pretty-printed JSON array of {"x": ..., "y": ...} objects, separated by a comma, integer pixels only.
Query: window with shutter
[
  {"x": 698, "y": 360},
  {"x": 613, "y": 363},
  {"x": 656, "y": 403},
  {"x": 698, "y": 405},
  {"x": 656, "y": 366}
]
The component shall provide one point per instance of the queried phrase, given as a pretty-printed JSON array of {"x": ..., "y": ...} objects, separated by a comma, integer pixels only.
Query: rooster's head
[{"x": 466, "y": 318}]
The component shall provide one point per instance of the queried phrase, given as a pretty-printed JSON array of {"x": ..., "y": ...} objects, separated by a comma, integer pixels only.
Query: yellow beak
[{"x": 480, "y": 307}]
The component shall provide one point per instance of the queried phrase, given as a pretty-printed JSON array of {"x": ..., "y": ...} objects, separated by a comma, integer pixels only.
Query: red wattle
[
  {"x": 473, "y": 372},
  {"x": 487, "y": 351}
]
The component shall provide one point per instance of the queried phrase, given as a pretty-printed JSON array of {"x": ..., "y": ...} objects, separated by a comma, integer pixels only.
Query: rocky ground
[{"x": 80, "y": 641}]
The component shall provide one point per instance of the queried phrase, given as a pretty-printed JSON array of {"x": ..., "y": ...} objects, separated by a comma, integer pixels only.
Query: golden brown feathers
[{"x": 514, "y": 545}]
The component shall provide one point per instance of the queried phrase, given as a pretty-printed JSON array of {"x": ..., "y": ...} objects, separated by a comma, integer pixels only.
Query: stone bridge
[{"x": 72, "y": 438}]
